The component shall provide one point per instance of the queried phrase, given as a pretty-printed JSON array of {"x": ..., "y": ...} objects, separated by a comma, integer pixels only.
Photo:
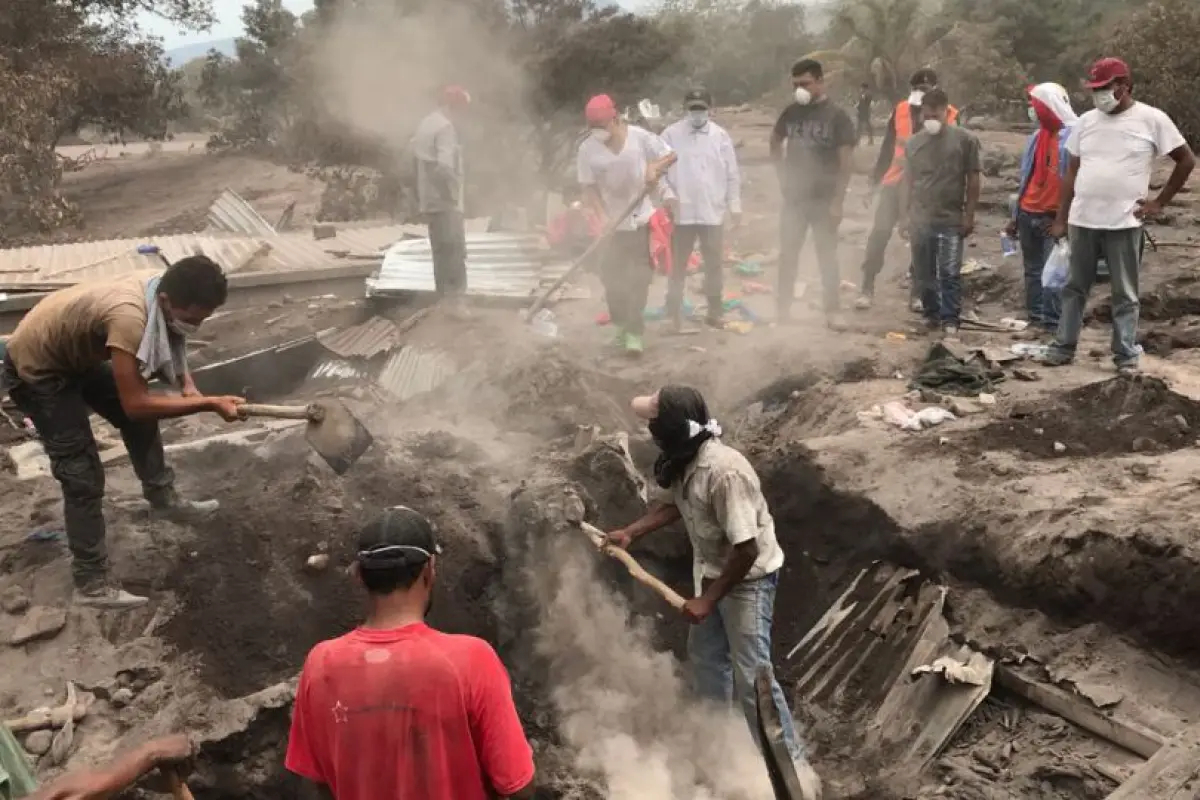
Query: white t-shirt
[
  {"x": 621, "y": 176},
  {"x": 1116, "y": 154}
]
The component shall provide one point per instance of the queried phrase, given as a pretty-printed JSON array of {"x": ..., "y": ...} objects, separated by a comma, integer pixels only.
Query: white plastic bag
[{"x": 1058, "y": 266}]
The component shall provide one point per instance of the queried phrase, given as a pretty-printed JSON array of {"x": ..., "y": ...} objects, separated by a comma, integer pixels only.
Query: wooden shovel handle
[
  {"x": 311, "y": 412},
  {"x": 638, "y": 572},
  {"x": 179, "y": 789}
]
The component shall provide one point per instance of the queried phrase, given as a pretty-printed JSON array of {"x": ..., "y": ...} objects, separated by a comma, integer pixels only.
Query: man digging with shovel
[
  {"x": 94, "y": 347},
  {"x": 736, "y": 557}
]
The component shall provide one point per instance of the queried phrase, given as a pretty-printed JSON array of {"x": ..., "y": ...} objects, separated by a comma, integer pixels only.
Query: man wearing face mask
[
  {"x": 94, "y": 347},
  {"x": 1042, "y": 167},
  {"x": 615, "y": 164},
  {"x": 736, "y": 559},
  {"x": 887, "y": 182},
  {"x": 395, "y": 709},
  {"x": 1112, "y": 152},
  {"x": 814, "y": 171},
  {"x": 943, "y": 177},
  {"x": 707, "y": 187}
]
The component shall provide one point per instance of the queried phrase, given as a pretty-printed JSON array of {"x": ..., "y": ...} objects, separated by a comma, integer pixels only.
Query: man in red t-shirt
[{"x": 395, "y": 710}]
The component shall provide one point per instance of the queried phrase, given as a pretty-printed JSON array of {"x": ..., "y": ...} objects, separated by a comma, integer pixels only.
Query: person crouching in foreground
[
  {"x": 395, "y": 709},
  {"x": 95, "y": 347},
  {"x": 735, "y": 557}
]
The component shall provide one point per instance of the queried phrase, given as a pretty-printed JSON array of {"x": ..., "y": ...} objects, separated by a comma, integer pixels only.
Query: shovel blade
[{"x": 338, "y": 437}]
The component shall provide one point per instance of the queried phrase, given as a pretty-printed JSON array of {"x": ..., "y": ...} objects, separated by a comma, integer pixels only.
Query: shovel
[
  {"x": 335, "y": 433},
  {"x": 639, "y": 573},
  {"x": 179, "y": 789}
]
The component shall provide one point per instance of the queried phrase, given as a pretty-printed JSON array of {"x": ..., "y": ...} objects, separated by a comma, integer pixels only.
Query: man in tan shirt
[
  {"x": 736, "y": 558},
  {"x": 94, "y": 347}
]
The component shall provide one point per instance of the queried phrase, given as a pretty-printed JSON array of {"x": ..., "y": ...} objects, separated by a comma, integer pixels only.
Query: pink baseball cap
[
  {"x": 645, "y": 406},
  {"x": 1105, "y": 71},
  {"x": 456, "y": 96},
  {"x": 600, "y": 110}
]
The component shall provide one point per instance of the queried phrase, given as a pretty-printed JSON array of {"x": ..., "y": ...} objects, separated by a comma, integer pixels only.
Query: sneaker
[
  {"x": 1056, "y": 358},
  {"x": 634, "y": 345},
  {"x": 618, "y": 340},
  {"x": 915, "y": 305},
  {"x": 809, "y": 780},
  {"x": 717, "y": 322},
  {"x": 950, "y": 331},
  {"x": 107, "y": 596},
  {"x": 863, "y": 302},
  {"x": 176, "y": 507},
  {"x": 835, "y": 322}
]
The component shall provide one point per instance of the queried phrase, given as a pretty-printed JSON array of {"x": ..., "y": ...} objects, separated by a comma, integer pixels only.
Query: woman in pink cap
[
  {"x": 618, "y": 163},
  {"x": 736, "y": 558}
]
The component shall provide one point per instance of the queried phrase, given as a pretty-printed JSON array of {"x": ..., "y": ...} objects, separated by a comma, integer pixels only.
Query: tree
[{"x": 1159, "y": 43}]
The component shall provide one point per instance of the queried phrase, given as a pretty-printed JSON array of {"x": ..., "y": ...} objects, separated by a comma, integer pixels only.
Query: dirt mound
[
  {"x": 552, "y": 395},
  {"x": 1170, "y": 300},
  {"x": 1136, "y": 414},
  {"x": 251, "y": 609}
]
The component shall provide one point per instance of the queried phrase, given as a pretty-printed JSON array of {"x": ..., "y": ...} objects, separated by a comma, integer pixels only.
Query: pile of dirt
[
  {"x": 553, "y": 396},
  {"x": 1169, "y": 301},
  {"x": 1138, "y": 414}
]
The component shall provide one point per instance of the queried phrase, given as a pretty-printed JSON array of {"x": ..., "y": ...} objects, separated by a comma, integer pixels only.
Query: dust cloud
[{"x": 624, "y": 707}]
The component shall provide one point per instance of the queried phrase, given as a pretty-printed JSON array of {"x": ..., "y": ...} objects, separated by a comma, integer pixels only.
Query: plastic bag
[{"x": 1058, "y": 266}]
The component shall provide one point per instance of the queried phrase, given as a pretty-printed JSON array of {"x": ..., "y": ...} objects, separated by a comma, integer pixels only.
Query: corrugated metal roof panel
[
  {"x": 336, "y": 369},
  {"x": 498, "y": 265},
  {"x": 232, "y": 214},
  {"x": 410, "y": 372},
  {"x": 376, "y": 335}
]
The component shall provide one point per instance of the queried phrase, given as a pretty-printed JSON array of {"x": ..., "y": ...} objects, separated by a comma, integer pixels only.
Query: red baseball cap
[
  {"x": 600, "y": 110},
  {"x": 1105, "y": 71},
  {"x": 456, "y": 96}
]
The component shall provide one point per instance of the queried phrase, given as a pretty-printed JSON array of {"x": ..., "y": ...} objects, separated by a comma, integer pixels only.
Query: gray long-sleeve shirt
[{"x": 438, "y": 155}]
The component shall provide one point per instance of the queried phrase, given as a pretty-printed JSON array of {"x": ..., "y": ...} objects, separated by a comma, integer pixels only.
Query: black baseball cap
[
  {"x": 397, "y": 538},
  {"x": 697, "y": 98}
]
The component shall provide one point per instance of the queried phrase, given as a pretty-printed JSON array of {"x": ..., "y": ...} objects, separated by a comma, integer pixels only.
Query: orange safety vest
[{"x": 904, "y": 131}]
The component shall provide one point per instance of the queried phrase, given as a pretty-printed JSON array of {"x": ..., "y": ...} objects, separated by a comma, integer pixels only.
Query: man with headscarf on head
[
  {"x": 437, "y": 148},
  {"x": 395, "y": 709},
  {"x": 736, "y": 558},
  {"x": 1042, "y": 168}
]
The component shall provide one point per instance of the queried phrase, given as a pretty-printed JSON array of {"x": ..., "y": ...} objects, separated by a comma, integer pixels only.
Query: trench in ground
[{"x": 250, "y": 611}]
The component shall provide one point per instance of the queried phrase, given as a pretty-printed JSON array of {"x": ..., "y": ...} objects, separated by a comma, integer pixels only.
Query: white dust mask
[
  {"x": 915, "y": 98},
  {"x": 803, "y": 96},
  {"x": 183, "y": 328},
  {"x": 933, "y": 126},
  {"x": 1033, "y": 117},
  {"x": 698, "y": 117},
  {"x": 601, "y": 135},
  {"x": 1105, "y": 100}
]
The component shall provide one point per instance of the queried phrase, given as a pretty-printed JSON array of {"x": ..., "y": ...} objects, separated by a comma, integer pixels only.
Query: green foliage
[{"x": 1159, "y": 43}]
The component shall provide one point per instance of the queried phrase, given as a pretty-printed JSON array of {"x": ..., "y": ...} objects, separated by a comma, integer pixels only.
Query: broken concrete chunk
[
  {"x": 14, "y": 600},
  {"x": 38, "y": 742},
  {"x": 122, "y": 697},
  {"x": 41, "y": 622},
  {"x": 1059, "y": 447}
]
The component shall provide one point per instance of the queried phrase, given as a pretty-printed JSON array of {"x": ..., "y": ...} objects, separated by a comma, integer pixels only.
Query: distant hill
[{"x": 182, "y": 55}]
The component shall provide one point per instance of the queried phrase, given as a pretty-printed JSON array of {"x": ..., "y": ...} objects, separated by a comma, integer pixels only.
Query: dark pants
[
  {"x": 1122, "y": 250},
  {"x": 887, "y": 213},
  {"x": 626, "y": 271},
  {"x": 710, "y": 239},
  {"x": 448, "y": 244},
  {"x": 864, "y": 129},
  {"x": 795, "y": 220},
  {"x": 1033, "y": 232},
  {"x": 59, "y": 408},
  {"x": 937, "y": 257}
]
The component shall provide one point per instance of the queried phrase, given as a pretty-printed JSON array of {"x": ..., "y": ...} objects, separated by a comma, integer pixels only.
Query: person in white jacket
[{"x": 708, "y": 189}]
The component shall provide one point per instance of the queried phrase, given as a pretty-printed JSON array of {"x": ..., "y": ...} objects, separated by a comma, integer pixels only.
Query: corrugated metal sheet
[
  {"x": 232, "y": 214},
  {"x": 376, "y": 335},
  {"x": 411, "y": 372},
  {"x": 498, "y": 265},
  {"x": 66, "y": 264},
  {"x": 336, "y": 369}
]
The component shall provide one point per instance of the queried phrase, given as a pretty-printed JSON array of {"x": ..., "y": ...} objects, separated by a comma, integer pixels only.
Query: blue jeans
[
  {"x": 937, "y": 253},
  {"x": 727, "y": 648},
  {"x": 1122, "y": 250},
  {"x": 1044, "y": 306}
]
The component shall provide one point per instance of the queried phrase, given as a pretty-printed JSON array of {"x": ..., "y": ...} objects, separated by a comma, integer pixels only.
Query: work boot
[
  {"x": 915, "y": 305},
  {"x": 715, "y": 321},
  {"x": 171, "y": 505},
  {"x": 810, "y": 781},
  {"x": 105, "y": 595},
  {"x": 835, "y": 322},
  {"x": 634, "y": 345},
  {"x": 863, "y": 302}
]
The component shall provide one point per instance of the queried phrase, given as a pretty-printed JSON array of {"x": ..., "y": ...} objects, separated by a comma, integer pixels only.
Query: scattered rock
[
  {"x": 960, "y": 407},
  {"x": 121, "y": 697},
  {"x": 1059, "y": 447},
  {"x": 318, "y": 562},
  {"x": 986, "y": 399},
  {"x": 1139, "y": 470},
  {"x": 38, "y": 742},
  {"x": 14, "y": 600},
  {"x": 1182, "y": 422},
  {"x": 1027, "y": 375},
  {"x": 42, "y": 622}
]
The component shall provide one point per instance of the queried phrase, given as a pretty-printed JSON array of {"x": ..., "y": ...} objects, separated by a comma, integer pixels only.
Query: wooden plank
[
  {"x": 1173, "y": 772},
  {"x": 1078, "y": 710}
]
